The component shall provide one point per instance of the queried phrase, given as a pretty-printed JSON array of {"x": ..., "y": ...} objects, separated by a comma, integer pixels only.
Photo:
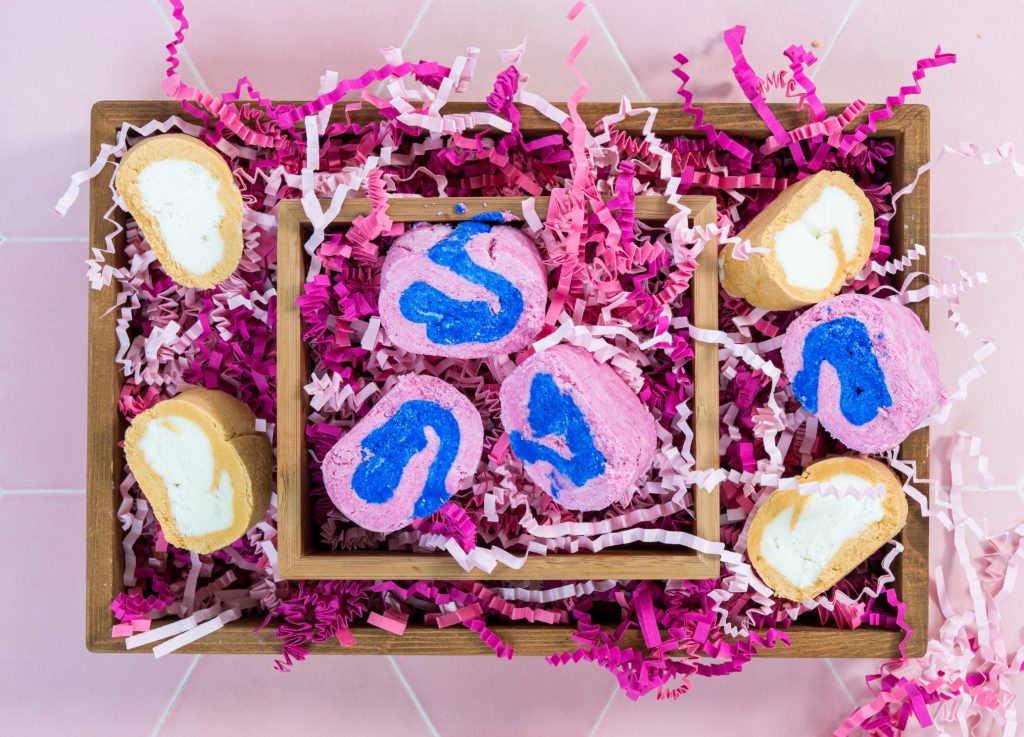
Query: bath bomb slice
[
  {"x": 203, "y": 467},
  {"x": 803, "y": 545},
  {"x": 476, "y": 290},
  {"x": 181, "y": 193},
  {"x": 866, "y": 367},
  {"x": 818, "y": 233},
  {"x": 582, "y": 434},
  {"x": 418, "y": 445}
]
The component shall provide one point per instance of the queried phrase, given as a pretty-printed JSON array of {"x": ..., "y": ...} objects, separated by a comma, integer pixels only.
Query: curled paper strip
[
  {"x": 855, "y": 491},
  {"x": 964, "y": 678},
  {"x": 620, "y": 291}
]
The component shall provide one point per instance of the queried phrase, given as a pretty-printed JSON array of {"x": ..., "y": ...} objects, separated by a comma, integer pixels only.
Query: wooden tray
[
  {"x": 297, "y": 555},
  {"x": 908, "y": 129}
]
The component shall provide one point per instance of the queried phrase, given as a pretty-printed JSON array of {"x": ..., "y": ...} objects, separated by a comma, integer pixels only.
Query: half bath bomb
[
  {"x": 476, "y": 290},
  {"x": 866, "y": 367},
  {"x": 184, "y": 198},
  {"x": 418, "y": 445},
  {"x": 801, "y": 545},
  {"x": 202, "y": 465},
  {"x": 582, "y": 434},
  {"x": 816, "y": 235}
]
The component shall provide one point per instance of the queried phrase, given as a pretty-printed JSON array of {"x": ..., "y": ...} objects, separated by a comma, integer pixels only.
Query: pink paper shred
[{"x": 618, "y": 289}]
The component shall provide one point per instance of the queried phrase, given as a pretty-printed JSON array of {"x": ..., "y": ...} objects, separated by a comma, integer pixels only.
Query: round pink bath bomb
[
  {"x": 418, "y": 445},
  {"x": 476, "y": 290},
  {"x": 582, "y": 434},
  {"x": 866, "y": 367}
]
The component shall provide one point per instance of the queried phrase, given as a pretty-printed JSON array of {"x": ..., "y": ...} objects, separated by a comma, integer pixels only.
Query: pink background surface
[{"x": 67, "y": 54}]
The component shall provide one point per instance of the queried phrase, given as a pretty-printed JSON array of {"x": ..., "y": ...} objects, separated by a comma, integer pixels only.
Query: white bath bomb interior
[
  {"x": 801, "y": 552},
  {"x": 804, "y": 248},
  {"x": 180, "y": 453},
  {"x": 182, "y": 196}
]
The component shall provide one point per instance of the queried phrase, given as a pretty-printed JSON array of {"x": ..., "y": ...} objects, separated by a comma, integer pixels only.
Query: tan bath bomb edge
[
  {"x": 203, "y": 467},
  {"x": 181, "y": 193},
  {"x": 818, "y": 233},
  {"x": 802, "y": 545}
]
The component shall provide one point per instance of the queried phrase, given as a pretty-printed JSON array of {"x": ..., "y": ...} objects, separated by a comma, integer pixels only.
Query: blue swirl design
[
  {"x": 552, "y": 412},
  {"x": 452, "y": 321},
  {"x": 388, "y": 449},
  {"x": 845, "y": 344}
]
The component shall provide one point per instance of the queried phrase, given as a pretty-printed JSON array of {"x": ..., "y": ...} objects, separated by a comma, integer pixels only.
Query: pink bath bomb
[
  {"x": 476, "y": 290},
  {"x": 582, "y": 434},
  {"x": 418, "y": 445},
  {"x": 865, "y": 367}
]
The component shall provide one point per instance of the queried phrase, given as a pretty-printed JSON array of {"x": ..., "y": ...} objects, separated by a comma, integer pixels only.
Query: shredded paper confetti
[{"x": 619, "y": 289}]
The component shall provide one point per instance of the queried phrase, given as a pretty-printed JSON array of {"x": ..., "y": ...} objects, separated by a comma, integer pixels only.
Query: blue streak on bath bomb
[
  {"x": 452, "y": 321},
  {"x": 552, "y": 412},
  {"x": 844, "y": 343},
  {"x": 387, "y": 450}
]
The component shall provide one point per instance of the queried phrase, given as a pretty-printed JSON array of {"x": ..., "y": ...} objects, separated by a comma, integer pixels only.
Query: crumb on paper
[{"x": 816, "y": 43}]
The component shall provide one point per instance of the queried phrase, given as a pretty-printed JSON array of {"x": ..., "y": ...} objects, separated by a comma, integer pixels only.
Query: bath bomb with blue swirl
[
  {"x": 581, "y": 433},
  {"x": 416, "y": 447},
  {"x": 865, "y": 367},
  {"x": 815, "y": 235},
  {"x": 474, "y": 290}
]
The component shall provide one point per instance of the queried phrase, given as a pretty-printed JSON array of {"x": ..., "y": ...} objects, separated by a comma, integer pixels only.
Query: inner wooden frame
[
  {"x": 298, "y": 555},
  {"x": 908, "y": 129}
]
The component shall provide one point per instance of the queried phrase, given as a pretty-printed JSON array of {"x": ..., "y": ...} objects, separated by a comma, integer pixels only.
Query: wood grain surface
[
  {"x": 908, "y": 128},
  {"x": 298, "y": 557}
]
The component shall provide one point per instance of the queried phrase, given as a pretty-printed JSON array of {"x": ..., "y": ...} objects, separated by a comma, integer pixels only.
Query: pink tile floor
[{"x": 65, "y": 54}]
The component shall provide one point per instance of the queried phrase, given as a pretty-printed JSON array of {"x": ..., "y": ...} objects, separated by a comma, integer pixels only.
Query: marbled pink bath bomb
[
  {"x": 580, "y": 431},
  {"x": 418, "y": 445},
  {"x": 866, "y": 367},
  {"x": 476, "y": 290}
]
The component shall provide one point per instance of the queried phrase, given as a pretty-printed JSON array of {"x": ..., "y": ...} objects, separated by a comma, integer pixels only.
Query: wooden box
[
  {"x": 908, "y": 129},
  {"x": 298, "y": 558}
]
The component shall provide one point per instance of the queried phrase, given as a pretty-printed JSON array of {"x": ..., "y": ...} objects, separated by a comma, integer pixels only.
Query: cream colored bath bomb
[
  {"x": 181, "y": 193},
  {"x": 803, "y": 544},
  {"x": 817, "y": 234},
  {"x": 203, "y": 467}
]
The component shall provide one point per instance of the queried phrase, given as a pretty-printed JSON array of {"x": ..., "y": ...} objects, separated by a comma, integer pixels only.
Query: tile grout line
[
  {"x": 174, "y": 698},
  {"x": 412, "y": 695},
  {"x": 835, "y": 674},
  {"x": 14, "y": 239},
  {"x": 952, "y": 236},
  {"x": 55, "y": 492},
  {"x": 842, "y": 25},
  {"x": 382, "y": 85},
  {"x": 182, "y": 50},
  {"x": 618, "y": 53},
  {"x": 604, "y": 710}
]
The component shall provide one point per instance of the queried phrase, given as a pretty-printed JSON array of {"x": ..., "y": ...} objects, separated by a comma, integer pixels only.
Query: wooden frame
[
  {"x": 908, "y": 128},
  {"x": 298, "y": 558}
]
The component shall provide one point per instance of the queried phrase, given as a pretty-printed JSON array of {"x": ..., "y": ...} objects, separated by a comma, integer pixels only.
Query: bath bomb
[
  {"x": 476, "y": 290},
  {"x": 817, "y": 234},
  {"x": 418, "y": 445},
  {"x": 582, "y": 434},
  {"x": 866, "y": 367},
  {"x": 181, "y": 193},
  {"x": 203, "y": 467},
  {"x": 801, "y": 545}
]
